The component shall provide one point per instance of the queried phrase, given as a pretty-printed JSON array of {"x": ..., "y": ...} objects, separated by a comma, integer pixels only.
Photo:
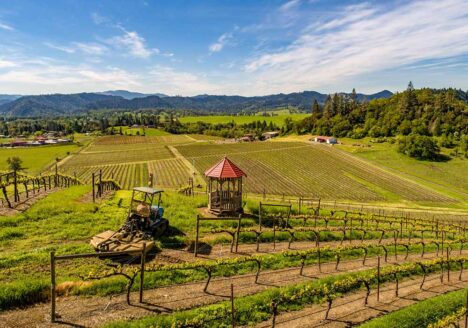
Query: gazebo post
[{"x": 227, "y": 198}]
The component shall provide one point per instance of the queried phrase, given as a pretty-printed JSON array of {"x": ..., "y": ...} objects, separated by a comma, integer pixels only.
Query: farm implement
[{"x": 144, "y": 223}]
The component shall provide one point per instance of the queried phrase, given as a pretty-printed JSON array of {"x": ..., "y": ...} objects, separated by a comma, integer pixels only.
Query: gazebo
[{"x": 225, "y": 188}]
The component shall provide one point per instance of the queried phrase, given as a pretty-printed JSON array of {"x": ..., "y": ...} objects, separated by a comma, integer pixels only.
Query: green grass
[
  {"x": 448, "y": 177},
  {"x": 422, "y": 313},
  {"x": 35, "y": 159},
  {"x": 278, "y": 120},
  {"x": 150, "y": 132}
]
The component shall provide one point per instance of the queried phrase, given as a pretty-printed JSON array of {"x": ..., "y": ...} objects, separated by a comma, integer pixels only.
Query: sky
[{"x": 242, "y": 47}]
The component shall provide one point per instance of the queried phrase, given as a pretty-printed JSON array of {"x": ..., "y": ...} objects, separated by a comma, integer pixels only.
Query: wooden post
[
  {"x": 233, "y": 313},
  {"x": 52, "y": 286},
  {"x": 92, "y": 183},
  {"x": 196, "y": 236},
  {"x": 260, "y": 216},
  {"x": 448, "y": 265},
  {"x": 100, "y": 183},
  {"x": 142, "y": 271},
  {"x": 274, "y": 234},
  {"x": 15, "y": 186},
  {"x": 238, "y": 232},
  {"x": 56, "y": 174},
  {"x": 378, "y": 279},
  {"x": 466, "y": 307},
  {"x": 319, "y": 260}
]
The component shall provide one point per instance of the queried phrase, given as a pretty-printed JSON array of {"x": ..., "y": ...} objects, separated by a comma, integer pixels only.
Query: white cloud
[
  {"x": 133, "y": 42},
  {"x": 5, "y": 26},
  {"x": 364, "y": 39},
  {"x": 49, "y": 76},
  {"x": 90, "y": 48},
  {"x": 66, "y": 49},
  {"x": 222, "y": 41},
  {"x": 6, "y": 64},
  {"x": 289, "y": 5},
  {"x": 170, "y": 81},
  {"x": 98, "y": 19}
]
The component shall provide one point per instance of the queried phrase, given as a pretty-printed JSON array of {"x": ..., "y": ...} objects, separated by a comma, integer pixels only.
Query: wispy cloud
[
  {"x": 171, "y": 81},
  {"x": 289, "y": 5},
  {"x": 365, "y": 38},
  {"x": 46, "y": 76},
  {"x": 6, "y": 64},
  {"x": 66, "y": 49},
  {"x": 5, "y": 26},
  {"x": 133, "y": 43},
  {"x": 91, "y": 48},
  {"x": 98, "y": 19},
  {"x": 221, "y": 42}
]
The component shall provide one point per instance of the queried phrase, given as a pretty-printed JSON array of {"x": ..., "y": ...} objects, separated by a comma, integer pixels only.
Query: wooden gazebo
[{"x": 225, "y": 188}]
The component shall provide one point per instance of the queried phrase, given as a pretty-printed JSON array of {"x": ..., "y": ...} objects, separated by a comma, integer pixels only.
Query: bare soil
[
  {"x": 351, "y": 311},
  {"x": 95, "y": 311}
]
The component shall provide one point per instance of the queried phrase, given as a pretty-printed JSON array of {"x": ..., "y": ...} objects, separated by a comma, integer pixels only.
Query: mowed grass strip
[
  {"x": 422, "y": 313},
  {"x": 295, "y": 168}
]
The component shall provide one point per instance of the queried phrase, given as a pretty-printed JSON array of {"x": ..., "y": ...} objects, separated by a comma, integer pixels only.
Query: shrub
[{"x": 421, "y": 147}]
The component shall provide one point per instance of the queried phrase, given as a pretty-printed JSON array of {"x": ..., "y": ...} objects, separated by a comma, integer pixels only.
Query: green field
[
  {"x": 278, "y": 120},
  {"x": 36, "y": 159},
  {"x": 130, "y": 159},
  {"x": 150, "y": 132},
  {"x": 448, "y": 177},
  {"x": 295, "y": 168}
]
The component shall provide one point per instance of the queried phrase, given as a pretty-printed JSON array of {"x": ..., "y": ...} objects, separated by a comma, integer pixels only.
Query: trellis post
[
  {"x": 52, "y": 286},
  {"x": 233, "y": 318},
  {"x": 196, "y": 236},
  {"x": 378, "y": 278},
  {"x": 142, "y": 271},
  {"x": 92, "y": 183}
]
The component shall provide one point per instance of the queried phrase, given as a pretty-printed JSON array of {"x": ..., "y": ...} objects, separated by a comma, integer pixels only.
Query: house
[
  {"x": 328, "y": 140},
  {"x": 19, "y": 143},
  {"x": 247, "y": 137},
  {"x": 271, "y": 134},
  {"x": 40, "y": 139}
]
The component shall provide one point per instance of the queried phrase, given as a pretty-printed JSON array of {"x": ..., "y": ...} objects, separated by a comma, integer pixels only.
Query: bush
[
  {"x": 421, "y": 147},
  {"x": 23, "y": 293}
]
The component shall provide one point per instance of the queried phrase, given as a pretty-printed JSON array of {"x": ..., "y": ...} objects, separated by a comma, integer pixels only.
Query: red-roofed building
[{"x": 225, "y": 187}]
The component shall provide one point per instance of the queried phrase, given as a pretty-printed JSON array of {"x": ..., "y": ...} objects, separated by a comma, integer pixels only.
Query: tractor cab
[
  {"x": 146, "y": 213},
  {"x": 144, "y": 223}
]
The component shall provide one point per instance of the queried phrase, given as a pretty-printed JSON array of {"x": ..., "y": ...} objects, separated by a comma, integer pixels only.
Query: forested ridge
[{"x": 422, "y": 112}]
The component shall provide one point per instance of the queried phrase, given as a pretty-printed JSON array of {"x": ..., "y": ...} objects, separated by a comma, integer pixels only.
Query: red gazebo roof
[{"x": 225, "y": 169}]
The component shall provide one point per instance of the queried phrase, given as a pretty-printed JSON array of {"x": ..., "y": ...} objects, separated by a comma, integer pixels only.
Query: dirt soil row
[
  {"x": 351, "y": 311},
  {"x": 222, "y": 250},
  {"x": 95, "y": 311}
]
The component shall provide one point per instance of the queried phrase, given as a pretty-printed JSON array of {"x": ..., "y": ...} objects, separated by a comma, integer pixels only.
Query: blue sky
[{"x": 231, "y": 47}]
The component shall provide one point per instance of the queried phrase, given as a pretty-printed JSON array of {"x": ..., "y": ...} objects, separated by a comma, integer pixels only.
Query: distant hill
[
  {"x": 8, "y": 98},
  {"x": 129, "y": 94},
  {"x": 68, "y": 104}
]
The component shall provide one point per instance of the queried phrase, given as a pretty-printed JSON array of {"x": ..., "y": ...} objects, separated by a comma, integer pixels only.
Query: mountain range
[{"x": 79, "y": 103}]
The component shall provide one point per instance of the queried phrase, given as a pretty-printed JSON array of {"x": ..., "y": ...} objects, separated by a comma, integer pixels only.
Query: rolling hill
[{"x": 68, "y": 104}]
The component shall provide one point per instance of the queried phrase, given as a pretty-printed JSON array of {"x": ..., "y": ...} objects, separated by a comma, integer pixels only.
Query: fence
[
  {"x": 101, "y": 185},
  {"x": 54, "y": 259},
  {"x": 32, "y": 185}
]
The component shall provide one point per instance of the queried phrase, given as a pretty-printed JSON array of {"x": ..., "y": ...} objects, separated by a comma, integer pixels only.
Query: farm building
[
  {"x": 328, "y": 140},
  {"x": 247, "y": 138},
  {"x": 271, "y": 134},
  {"x": 225, "y": 188}
]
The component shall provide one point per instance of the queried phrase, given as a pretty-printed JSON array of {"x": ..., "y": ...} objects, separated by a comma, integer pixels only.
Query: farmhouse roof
[{"x": 225, "y": 169}]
